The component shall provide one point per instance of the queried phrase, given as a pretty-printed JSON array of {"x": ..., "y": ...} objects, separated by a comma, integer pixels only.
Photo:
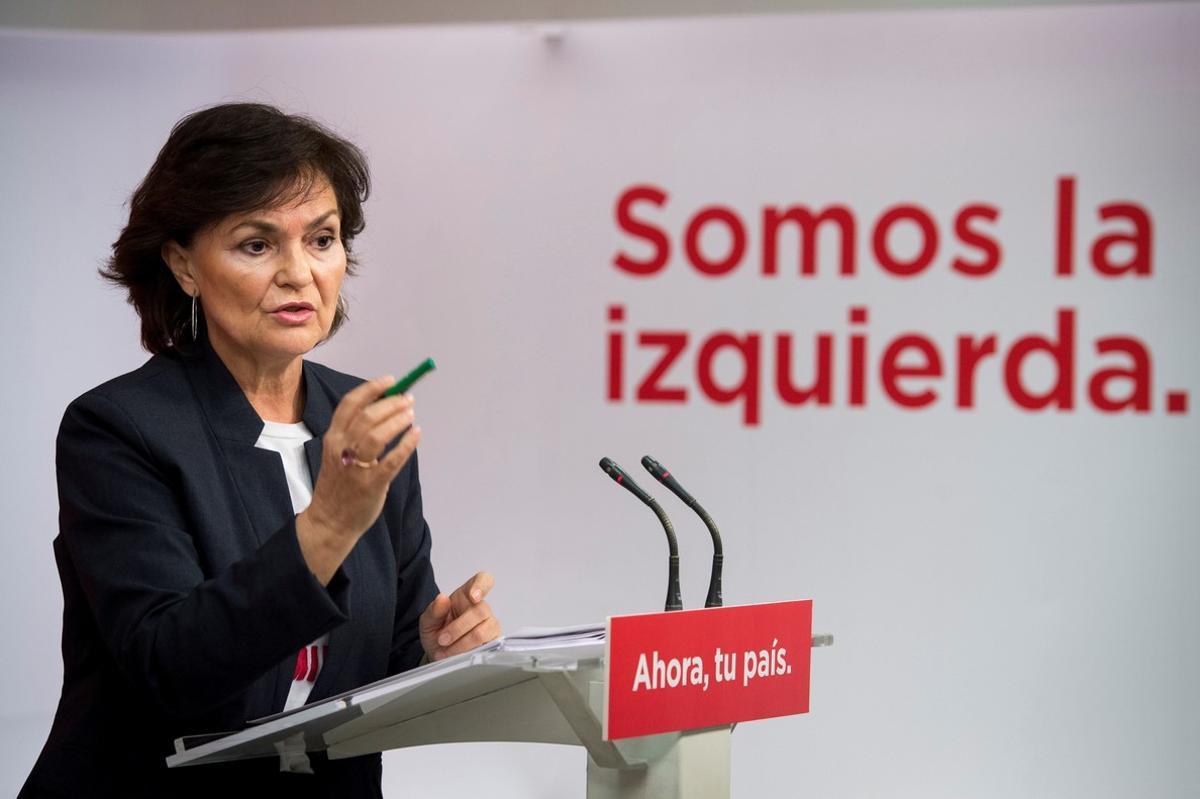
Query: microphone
[
  {"x": 659, "y": 472},
  {"x": 674, "y": 600}
]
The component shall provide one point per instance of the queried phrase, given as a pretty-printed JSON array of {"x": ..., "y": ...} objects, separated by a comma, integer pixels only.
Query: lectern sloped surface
[
  {"x": 498, "y": 687},
  {"x": 545, "y": 688}
]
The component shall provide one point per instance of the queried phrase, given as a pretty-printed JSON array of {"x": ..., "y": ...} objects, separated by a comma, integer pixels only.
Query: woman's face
[{"x": 268, "y": 280}]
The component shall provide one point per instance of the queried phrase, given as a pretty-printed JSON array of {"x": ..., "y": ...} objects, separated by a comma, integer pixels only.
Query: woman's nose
[{"x": 294, "y": 268}]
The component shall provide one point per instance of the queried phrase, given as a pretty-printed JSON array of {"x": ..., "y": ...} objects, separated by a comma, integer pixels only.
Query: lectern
[{"x": 547, "y": 686}]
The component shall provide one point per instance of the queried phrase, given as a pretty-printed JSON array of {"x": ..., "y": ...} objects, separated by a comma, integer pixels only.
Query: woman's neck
[{"x": 274, "y": 389}]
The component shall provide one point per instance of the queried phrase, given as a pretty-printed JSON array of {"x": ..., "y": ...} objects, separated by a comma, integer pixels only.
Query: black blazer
[{"x": 186, "y": 597}]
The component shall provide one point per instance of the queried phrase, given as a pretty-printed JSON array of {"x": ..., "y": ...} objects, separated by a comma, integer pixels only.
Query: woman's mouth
[{"x": 294, "y": 313}]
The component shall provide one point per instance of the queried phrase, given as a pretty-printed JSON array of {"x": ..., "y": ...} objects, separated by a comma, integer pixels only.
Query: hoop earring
[{"x": 193, "y": 317}]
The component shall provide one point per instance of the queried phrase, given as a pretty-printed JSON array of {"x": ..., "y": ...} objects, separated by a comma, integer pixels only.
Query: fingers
[
  {"x": 376, "y": 413},
  {"x": 366, "y": 424},
  {"x": 358, "y": 398},
  {"x": 474, "y": 628},
  {"x": 468, "y": 620},
  {"x": 394, "y": 461},
  {"x": 370, "y": 436},
  {"x": 472, "y": 592},
  {"x": 463, "y": 623},
  {"x": 435, "y": 614},
  {"x": 479, "y": 586}
]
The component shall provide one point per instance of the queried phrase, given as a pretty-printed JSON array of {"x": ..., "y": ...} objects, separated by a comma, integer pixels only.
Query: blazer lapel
[{"x": 256, "y": 474}]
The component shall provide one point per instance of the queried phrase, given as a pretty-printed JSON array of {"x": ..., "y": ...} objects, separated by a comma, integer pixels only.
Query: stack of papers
[{"x": 530, "y": 639}]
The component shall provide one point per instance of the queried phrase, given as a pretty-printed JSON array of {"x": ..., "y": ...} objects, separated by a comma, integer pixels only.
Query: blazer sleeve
[
  {"x": 191, "y": 641},
  {"x": 415, "y": 585}
]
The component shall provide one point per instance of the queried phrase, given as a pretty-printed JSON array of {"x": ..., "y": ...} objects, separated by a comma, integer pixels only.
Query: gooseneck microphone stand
[
  {"x": 674, "y": 599},
  {"x": 660, "y": 473}
]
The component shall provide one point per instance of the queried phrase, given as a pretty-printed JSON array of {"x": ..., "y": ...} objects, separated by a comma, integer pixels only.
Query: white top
[{"x": 288, "y": 440}]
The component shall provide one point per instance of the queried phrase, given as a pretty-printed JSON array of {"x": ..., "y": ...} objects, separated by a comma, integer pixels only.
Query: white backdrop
[{"x": 1012, "y": 591}]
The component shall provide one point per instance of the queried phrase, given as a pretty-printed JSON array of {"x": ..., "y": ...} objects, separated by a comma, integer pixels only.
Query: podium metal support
[
  {"x": 683, "y": 765},
  {"x": 694, "y": 766}
]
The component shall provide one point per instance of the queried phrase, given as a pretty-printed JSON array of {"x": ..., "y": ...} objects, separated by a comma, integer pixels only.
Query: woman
[{"x": 240, "y": 531}]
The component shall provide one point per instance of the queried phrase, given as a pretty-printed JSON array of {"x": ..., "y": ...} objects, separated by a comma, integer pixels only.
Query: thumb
[{"x": 435, "y": 614}]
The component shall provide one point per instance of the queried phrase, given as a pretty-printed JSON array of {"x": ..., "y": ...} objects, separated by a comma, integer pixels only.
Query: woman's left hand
[{"x": 461, "y": 621}]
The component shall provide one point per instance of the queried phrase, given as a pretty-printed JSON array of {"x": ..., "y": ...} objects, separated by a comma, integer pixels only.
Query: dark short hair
[{"x": 224, "y": 160}]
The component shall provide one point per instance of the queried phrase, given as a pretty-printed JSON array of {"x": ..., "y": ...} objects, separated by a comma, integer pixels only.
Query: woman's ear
[{"x": 176, "y": 258}]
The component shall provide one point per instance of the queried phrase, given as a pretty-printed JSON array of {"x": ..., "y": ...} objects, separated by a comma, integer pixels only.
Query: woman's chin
[{"x": 288, "y": 344}]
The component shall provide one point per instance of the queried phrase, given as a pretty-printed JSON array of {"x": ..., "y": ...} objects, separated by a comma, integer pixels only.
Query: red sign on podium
[{"x": 702, "y": 668}]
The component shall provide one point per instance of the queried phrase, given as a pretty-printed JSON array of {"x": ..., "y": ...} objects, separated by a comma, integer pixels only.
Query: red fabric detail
[
  {"x": 313, "y": 665},
  {"x": 309, "y": 661}
]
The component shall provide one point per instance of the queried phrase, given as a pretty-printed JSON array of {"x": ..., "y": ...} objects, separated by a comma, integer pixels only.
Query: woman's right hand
[{"x": 348, "y": 498}]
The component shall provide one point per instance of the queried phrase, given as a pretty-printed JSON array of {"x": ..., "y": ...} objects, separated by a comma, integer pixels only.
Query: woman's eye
[
  {"x": 255, "y": 246},
  {"x": 324, "y": 241}
]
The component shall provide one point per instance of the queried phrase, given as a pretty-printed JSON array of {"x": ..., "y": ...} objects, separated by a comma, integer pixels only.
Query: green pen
[{"x": 409, "y": 380}]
